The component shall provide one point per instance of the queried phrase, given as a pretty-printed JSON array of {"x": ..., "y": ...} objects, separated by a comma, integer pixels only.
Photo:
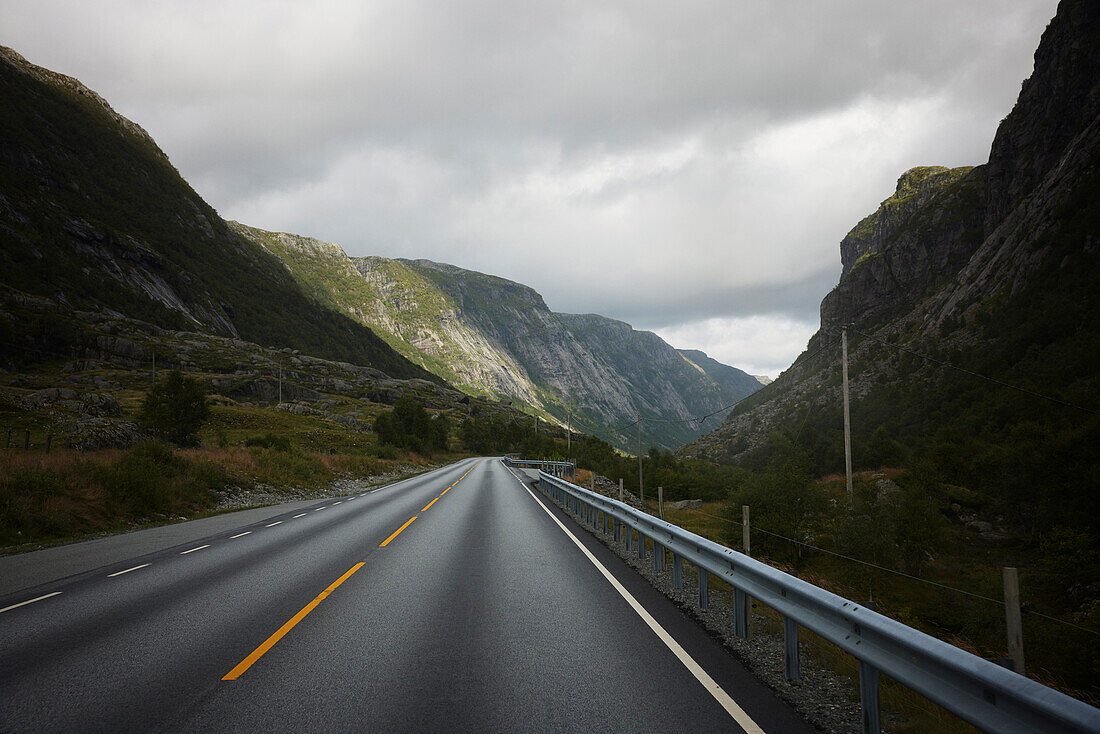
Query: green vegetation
[
  {"x": 64, "y": 495},
  {"x": 409, "y": 426},
  {"x": 174, "y": 409},
  {"x": 87, "y": 197}
]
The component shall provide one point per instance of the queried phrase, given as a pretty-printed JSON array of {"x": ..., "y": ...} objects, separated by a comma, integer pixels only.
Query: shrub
[
  {"x": 409, "y": 426},
  {"x": 174, "y": 409}
]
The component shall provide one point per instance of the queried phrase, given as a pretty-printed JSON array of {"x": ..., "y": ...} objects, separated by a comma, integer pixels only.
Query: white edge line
[
  {"x": 297, "y": 516},
  {"x": 277, "y": 522},
  {"x": 29, "y": 601},
  {"x": 240, "y": 535},
  {"x": 184, "y": 553},
  {"x": 119, "y": 573},
  {"x": 743, "y": 719}
]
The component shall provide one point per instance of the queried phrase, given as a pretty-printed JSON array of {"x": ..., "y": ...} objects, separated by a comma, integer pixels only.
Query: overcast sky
[{"x": 687, "y": 167}]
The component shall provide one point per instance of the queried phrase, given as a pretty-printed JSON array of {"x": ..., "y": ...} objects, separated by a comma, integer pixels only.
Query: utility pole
[
  {"x": 847, "y": 417},
  {"x": 641, "y": 487}
]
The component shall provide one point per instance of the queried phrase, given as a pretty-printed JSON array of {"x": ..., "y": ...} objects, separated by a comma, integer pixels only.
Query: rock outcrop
[
  {"x": 496, "y": 338},
  {"x": 954, "y": 251},
  {"x": 94, "y": 217}
]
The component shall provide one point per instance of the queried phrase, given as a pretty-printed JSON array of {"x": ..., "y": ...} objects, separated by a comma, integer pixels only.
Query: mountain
[
  {"x": 496, "y": 338},
  {"x": 964, "y": 274},
  {"x": 94, "y": 216},
  {"x": 737, "y": 381}
]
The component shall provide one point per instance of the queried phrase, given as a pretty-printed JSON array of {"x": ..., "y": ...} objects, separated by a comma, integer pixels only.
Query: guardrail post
[
  {"x": 629, "y": 538},
  {"x": 790, "y": 649},
  {"x": 677, "y": 571},
  {"x": 641, "y": 546},
  {"x": 868, "y": 698},
  {"x": 704, "y": 588},
  {"x": 740, "y": 613},
  {"x": 658, "y": 556}
]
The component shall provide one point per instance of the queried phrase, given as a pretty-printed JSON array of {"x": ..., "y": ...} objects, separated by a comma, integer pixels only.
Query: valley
[{"x": 967, "y": 301}]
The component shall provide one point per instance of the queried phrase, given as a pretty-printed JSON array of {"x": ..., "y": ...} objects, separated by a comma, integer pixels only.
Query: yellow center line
[
  {"x": 448, "y": 489},
  {"x": 397, "y": 532},
  {"x": 431, "y": 503},
  {"x": 270, "y": 641}
]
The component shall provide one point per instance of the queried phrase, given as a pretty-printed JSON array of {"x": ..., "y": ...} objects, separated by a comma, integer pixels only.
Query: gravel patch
[{"x": 825, "y": 699}]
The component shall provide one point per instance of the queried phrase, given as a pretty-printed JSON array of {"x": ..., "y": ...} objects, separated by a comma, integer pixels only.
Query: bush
[
  {"x": 409, "y": 426},
  {"x": 138, "y": 483},
  {"x": 174, "y": 409}
]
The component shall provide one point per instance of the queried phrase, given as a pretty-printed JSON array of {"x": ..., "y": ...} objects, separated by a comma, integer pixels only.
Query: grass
[
  {"x": 912, "y": 602},
  {"x": 65, "y": 495}
]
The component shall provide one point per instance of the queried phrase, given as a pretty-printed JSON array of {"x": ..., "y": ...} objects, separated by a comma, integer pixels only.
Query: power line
[{"x": 974, "y": 374}]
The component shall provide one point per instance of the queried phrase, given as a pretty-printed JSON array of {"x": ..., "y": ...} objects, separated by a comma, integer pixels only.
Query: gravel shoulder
[{"x": 826, "y": 700}]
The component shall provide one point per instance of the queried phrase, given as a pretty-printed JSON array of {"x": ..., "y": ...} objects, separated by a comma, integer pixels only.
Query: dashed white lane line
[
  {"x": 321, "y": 508},
  {"x": 297, "y": 516},
  {"x": 277, "y": 522},
  {"x": 29, "y": 601},
  {"x": 724, "y": 699},
  {"x": 184, "y": 553},
  {"x": 119, "y": 573},
  {"x": 337, "y": 503},
  {"x": 240, "y": 535}
]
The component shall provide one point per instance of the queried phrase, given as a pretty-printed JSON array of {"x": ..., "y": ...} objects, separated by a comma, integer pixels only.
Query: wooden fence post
[{"x": 1013, "y": 622}]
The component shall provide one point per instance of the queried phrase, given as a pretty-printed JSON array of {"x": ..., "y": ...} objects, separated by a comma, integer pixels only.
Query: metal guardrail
[
  {"x": 559, "y": 469},
  {"x": 983, "y": 693}
]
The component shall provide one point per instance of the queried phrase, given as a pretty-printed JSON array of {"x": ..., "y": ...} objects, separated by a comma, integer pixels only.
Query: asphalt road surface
[{"x": 458, "y": 601}]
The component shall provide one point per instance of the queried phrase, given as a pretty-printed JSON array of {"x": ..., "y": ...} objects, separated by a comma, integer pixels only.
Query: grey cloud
[{"x": 685, "y": 160}]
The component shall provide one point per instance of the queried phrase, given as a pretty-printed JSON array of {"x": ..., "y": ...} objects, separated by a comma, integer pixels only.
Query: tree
[
  {"x": 409, "y": 426},
  {"x": 174, "y": 409}
]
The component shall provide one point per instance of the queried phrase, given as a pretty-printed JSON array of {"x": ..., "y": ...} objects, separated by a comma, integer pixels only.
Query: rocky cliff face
[
  {"x": 94, "y": 216},
  {"x": 497, "y": 338},
  {"x": 955, "y": 256}
]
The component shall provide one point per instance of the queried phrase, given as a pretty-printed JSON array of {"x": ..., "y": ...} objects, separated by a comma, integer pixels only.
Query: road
[{"x": 455, "y": 601}]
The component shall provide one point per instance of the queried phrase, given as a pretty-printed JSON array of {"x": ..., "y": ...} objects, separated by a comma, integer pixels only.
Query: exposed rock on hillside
[
  {"x": 966, "y": 262},
  {"x": 94, "y": 216},
  {"x": 497, "y": 338}
]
